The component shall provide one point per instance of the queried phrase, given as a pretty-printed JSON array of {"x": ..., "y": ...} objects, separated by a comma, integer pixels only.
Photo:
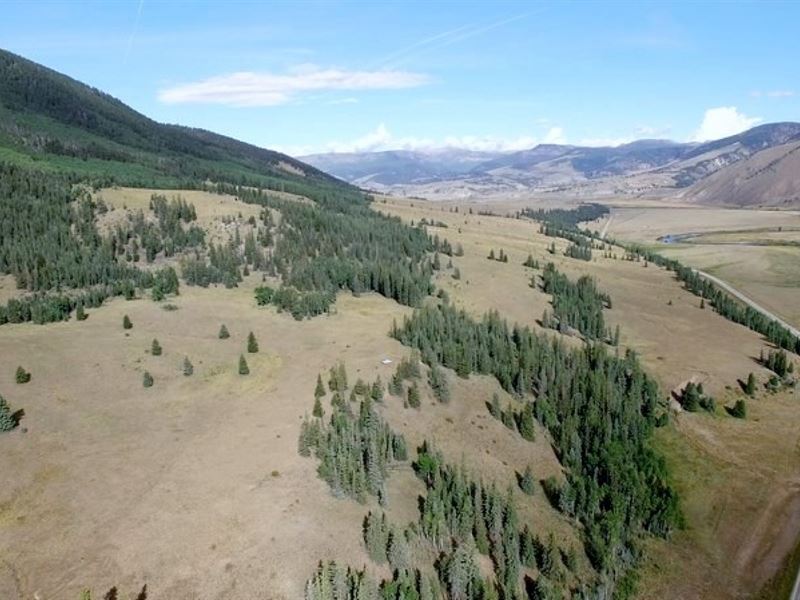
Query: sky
[{"x": 312, "y": 76}]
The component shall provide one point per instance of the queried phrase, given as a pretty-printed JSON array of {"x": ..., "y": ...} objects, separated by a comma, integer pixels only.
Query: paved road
[{"x": 752, "y": 303}]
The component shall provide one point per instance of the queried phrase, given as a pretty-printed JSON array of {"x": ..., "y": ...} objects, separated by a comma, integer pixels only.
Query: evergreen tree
[
  {"x": 22, "y": 376},
  {"x": 80, "y": 312},
  {"x": 413, "y": 398},
  {"x": 318, "y": 411},
  {"x": 223, "y": 332},
  {"x": 252, "y": 344},
  {"x": 438, "y": 383},
  {"x": 376, "y": 537},
  {"x": 750, "y": 386},
  {"x": 7, "y": 421},
  {"x": 526, "y": 481},
  {"x": 155, "y": 348},
  {"x": 525, "y": 422},
  {"x": 147, "y": 379},
  {"x": 398, "y": 552},
  {"x": 494, "y": 407},
  {"x": 319, "y": 392},
  {"x": 188, "y": 368},
  {"x": 376, "y": 391},
  {"x": 243, "y": 368},
  {"x": 126, "y": 322},
  {"x": 739, "y": 409}
]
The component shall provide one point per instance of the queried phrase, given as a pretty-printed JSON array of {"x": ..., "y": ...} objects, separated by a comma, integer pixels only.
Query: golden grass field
[
  {"x": 738, "y": 246},
  {"x": 195, "y": 488}
]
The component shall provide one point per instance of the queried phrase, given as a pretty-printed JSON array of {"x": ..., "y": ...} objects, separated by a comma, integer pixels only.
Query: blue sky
[{"x": 316, "y": 76}]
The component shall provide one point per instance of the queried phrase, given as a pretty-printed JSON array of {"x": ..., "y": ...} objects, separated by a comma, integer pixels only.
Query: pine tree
[
  {"x": 147, "y": 379},
  {"x": 527, "y": 482},
  {"x": 376, "y": 537},
  {"x": 739, "y": 409},
  {"x": 376, "y": 391},
  {"x": 414, "y": 400},
  {"x": 243, "y": 368},
  {"x": 22, "y": 376},
  {"x": 318, "y": 411},
  {"x": 223, "y": 332},
  {"x": 155, "y": 348},
  {"x": 750, "y": 386},
  {"x": 491, "y": 254},
  {"x": 188, "y": 368},
  {"x": 494, "y": 407},
  {"x": 341, "y": 377},
  {"x": 526, "y": 425},
  {"x": 80, "y": 312},
  {"x": 398, "y": 552},
  {"x": 126, "y": 322},
  {"x": 252, "y": 344},
  {"x": 7, "y": 421},
  {"x": 319, "y": 392}
]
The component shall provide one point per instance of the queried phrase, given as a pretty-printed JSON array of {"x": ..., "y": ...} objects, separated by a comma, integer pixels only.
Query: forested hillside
[{"x": 54, "y": 123}]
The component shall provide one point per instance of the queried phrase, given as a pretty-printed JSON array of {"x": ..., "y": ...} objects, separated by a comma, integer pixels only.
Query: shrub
[
  {"x": 126, "y": 322},
  {"x": 188, "y": 368},
  {"x": 22, "y": 375},
  {"x": 147, "y": 379},
  {"x": 223, "y": 333},
  {"x": 243, "y": 368},
  {"x": 155, "y": 348}
]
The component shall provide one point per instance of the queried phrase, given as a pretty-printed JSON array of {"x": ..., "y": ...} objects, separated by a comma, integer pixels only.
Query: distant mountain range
[{"x": 715, "y": 172}]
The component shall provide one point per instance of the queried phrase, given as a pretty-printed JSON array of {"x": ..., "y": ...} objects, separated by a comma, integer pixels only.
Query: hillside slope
[
  {"x": 767, "y": 179},
  {"x": 53, "y": 122}
]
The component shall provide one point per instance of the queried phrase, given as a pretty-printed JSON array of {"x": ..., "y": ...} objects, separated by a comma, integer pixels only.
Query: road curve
[{"x": 752, "y": 303}]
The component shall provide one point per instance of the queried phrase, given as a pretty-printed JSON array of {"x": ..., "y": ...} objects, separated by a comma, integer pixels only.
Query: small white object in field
[{"x": 387, "y": 361}]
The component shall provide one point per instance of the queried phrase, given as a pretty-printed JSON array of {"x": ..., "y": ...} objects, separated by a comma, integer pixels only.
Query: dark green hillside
[{"x": 55, "y": 123}]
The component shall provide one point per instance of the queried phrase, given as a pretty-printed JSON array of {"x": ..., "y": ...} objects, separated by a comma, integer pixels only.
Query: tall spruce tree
[
  {"x": 7, "y": 421},
  {"x": 252, "y": 343}
]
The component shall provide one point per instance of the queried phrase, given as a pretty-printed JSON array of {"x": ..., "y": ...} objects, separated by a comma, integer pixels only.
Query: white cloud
[
  {"x": 270, "y": 89},
  {"x": 721, "y": 122},
  {"x": 554, "y": 135},
  {"x": 382, "y": 139}
]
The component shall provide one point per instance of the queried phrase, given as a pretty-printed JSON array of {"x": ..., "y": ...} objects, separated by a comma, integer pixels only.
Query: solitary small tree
[
  {"x": 243, "y": 368},
  {"x": 147, "y": 379},
  {"x": 126, "y": 322},
  {"x": 188, "y": 368},
  {"x": 7, "y": 421},
  {"x": 750, "y": 386},
  {"x": 252, "y": 344},
  {"x": 223, "y": 332},
  {"x": 22, "y": 375},
  {"x": 739, "y": 409},
  {"x": 527, "y": 482},
  {"x": 155, "y": 348}
]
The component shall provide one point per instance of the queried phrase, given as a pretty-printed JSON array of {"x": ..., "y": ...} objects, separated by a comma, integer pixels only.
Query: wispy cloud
[
  {"x": 721, "y": 122},
  {"x": 772, "y": 94},
  {"x": 271, "y": 89},
  {"x": 444, "y": 39}
]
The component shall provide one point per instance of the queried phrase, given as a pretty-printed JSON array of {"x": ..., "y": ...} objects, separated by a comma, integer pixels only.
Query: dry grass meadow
[{"x": 195, "y": 488}]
